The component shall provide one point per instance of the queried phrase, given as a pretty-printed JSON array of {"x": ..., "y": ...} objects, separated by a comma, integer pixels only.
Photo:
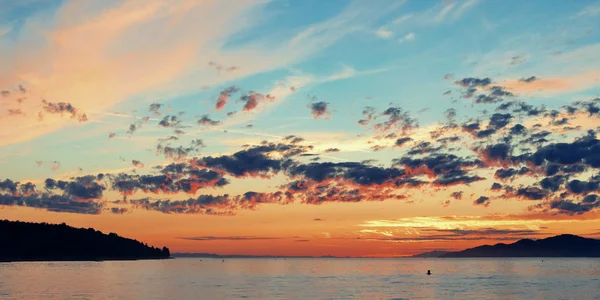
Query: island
[
  {"x": 24, "y": 241},
  {"x": 564, "y": 245}
]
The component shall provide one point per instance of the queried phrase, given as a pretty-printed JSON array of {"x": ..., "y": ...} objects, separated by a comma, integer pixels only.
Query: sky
[{"x": 346, "y": 128}]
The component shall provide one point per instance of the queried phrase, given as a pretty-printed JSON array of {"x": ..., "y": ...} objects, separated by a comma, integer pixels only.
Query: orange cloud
[{"x": 555, "y": 85}]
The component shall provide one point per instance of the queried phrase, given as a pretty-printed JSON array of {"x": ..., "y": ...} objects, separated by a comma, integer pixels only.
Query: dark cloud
[
  {"x": 369, "y": 113},
  {"x": 53, "y": 203},
  {"x": 174, "y": 178},
  {"x": 585, "y": 151},
  {"x": 457, "y": 195},
  {"x": 424, "y": 147},
  {"x": 518, "y": 129},
  {"x": 553, "y": 183},
  {"x": 224, "y": 96},
  {"x": 62, "y": 108},
  {"x": 505, "y": 173},
  {"x": 497, "y": 153},
  {"x": 570, "y": 207},
  {"x": 86, "y": 187},
  {"x": 499, "y": 121},
  {"x": 136, "y": 163},
  {"x": 532, "y": 193},
  {"x": 293, "y": 139},
  {"x": 397, "y": 119},
  {"x": 402, "y": 141},
  {"x": 118, "y": 210},
  {"x": 9, "y": 186},
  {"x": 213, "y": 205},
  {"x": 251, "y": 162},
  {"x": 591, "y": 198},
  {"x": 319, "y": 109},
  {"x": 206, "y": 120},
  {"x": 355, "y": 172},
  {"x": 179, "y": 152},
  {"x": 583, "y": 187},
  {"x": 154, "y": 108},
  {"x": 528, "y": 79},
  {"x": 496, "y": 186},
  {"x": 204, "y": 204},
  {"x": 482, "y": 200},
  {"x": 170, "y": 121},
  {"x": 494, "y": 94},
  {"x": 436, "y": 164},
  {"x": 471, "y": 82},
  {"x": 252, "y": 100},
  {"x": 517, "y": 60},
  {"x": 332, "y": 150},
  {"x": 455, "y": 178}
]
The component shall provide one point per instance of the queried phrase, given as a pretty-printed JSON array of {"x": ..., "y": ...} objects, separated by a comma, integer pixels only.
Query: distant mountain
[
  {"x": 565, "y": 245},
  {"x": 22, "y": 241},
  {"x": 435, "y": 253}
]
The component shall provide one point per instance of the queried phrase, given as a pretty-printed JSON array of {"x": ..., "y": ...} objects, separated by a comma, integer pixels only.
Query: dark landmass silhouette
[
  {"x": 435, "y": 253},
  {"x": 24, "y": 241},
  {"x": 564, "y": 245}
]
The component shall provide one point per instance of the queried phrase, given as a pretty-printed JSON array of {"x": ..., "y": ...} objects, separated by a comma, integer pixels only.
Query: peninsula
[{"x": 23, "y": 241}]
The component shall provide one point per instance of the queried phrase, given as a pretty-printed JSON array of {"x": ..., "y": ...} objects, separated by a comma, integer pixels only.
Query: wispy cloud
[
  {"x": 446, "y": 11},
  {"x": 407, "y": 38},
  {"x": 590, "y": 11},
  {"x": 5, "y": 29},
  {"x": 165, "y": 65},
  {"x": 229, "y": 238}
]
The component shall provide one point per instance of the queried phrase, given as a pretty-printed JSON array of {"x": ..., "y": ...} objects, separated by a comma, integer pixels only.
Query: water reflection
[{"x": 304, "y": 278}]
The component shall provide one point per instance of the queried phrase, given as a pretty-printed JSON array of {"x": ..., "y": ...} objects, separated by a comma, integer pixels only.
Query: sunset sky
[{"x": 346, "y": 128}]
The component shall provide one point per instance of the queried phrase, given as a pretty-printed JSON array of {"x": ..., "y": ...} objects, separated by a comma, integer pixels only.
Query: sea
[{"x": 304, "y": 278}]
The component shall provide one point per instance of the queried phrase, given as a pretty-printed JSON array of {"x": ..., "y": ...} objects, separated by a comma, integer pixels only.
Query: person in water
[{"x": 428, "y": 272}]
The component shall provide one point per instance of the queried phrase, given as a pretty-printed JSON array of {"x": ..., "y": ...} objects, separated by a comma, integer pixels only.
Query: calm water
[{"x": 192, "y": 278}]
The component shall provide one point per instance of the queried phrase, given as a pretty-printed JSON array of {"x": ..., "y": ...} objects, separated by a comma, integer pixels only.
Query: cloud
[
  {"x": 402, "y": 141},
  {"x": 384, "y": 33},
  {"x": 319, "y": 109},
  {"x": 253, "y": 99},
  {"x": 224, "y": 97},
  {"x": 206, "y": 120},
  {"x": 5, "y": 29},
  {"x": 53, "y": 203},
  {"x": 62, "y": 108},
  {"x": 165, "y": 65},
  {"x": 457, "y": 195},
  {"x": 402, "y": 19},
  {"x": 553, "y": 85},
  {"x": 250, "y": 162},
  {"x": 397, "y": 119},
  {"x": 407, "y": 38},
  {"x": 528, "y": 79},
  {"x": 137, "y": 163},
  {"x": 228, "y": 238},
  {"x": 570, "y": 207},
  {"x": 447, "y": 11},
  {"x": 154, "y": 108},
  {"x": 589, "y": 11}
]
